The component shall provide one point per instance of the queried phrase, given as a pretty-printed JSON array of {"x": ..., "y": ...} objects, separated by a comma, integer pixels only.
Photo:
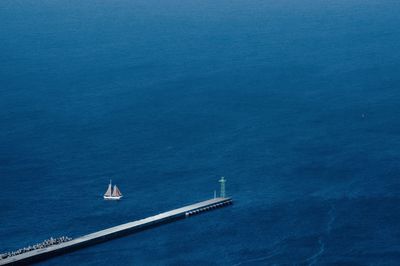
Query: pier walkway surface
[{"x": 114, "y": 232}]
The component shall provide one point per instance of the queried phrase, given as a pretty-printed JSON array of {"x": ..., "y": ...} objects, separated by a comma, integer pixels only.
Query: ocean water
[{"x": 296, "y": 103}]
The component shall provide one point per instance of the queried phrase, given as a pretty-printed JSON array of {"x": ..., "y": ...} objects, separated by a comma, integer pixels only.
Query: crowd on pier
[{"x": 46, "y": 243}]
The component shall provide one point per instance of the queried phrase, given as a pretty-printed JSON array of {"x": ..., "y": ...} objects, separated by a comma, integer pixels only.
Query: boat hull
[{"x": 112, "y": 197}]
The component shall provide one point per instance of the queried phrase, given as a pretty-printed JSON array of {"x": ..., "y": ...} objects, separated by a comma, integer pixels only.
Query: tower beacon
[{"x": 222, "y": 181}]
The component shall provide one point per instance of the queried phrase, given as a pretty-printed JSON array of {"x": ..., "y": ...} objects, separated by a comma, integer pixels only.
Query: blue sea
[{"x": 296, "y": 103}]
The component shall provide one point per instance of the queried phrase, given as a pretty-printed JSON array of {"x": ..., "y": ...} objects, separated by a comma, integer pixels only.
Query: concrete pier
[{"x": 114, "y": 232}]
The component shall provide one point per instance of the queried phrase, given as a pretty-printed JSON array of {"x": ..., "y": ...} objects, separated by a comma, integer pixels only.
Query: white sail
[
  {"x": 108, "y": 192},
  {"x": 116, "y": 192}
]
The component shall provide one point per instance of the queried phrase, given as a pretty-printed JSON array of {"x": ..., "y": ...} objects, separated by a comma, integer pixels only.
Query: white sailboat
[{"x": 112, "y": 193}]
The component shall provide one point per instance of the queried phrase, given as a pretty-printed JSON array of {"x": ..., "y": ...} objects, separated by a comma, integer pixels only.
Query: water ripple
[{"x": 314, "y": 258}]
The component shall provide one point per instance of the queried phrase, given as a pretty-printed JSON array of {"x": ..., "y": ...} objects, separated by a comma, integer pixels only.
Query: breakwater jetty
[
  {"x": 49, "y": 251},
  {"x": 46, "y": 243}
]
